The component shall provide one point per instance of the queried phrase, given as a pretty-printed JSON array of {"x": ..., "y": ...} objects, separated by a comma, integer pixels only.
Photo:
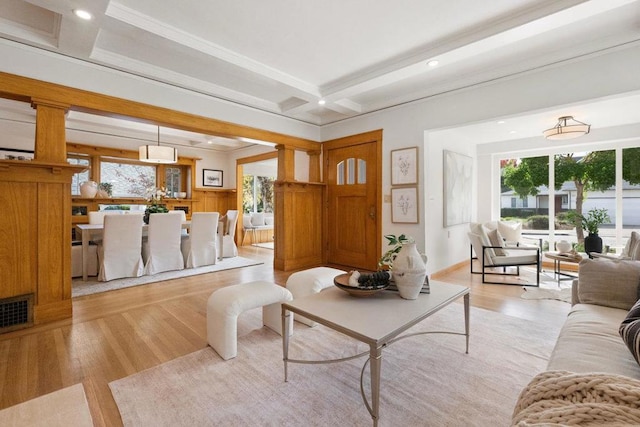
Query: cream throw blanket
[{"x": 567, "y": 398}]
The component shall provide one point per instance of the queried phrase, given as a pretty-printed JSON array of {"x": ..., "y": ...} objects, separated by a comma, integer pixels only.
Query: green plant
[
  {"x": 591, "y": 221},
  {"x": 396, "y": 242}
]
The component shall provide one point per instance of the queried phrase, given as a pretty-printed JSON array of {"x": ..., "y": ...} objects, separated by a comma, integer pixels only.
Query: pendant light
[
  {"x": 158, "y": 153},
  {"x": 567, "y": 128}
]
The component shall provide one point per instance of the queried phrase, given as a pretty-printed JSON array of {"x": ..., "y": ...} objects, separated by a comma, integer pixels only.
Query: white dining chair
[
  {"x": 119, "y": 252},
  {"x": 161, "y": 251},
  {"x": 229, "y": 248},
  {"x": 183, "y": 218},
  {"x": 200, "y": 248}
]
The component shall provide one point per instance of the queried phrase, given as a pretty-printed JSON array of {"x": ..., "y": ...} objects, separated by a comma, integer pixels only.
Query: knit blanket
[{"x": 567, "y": 398}]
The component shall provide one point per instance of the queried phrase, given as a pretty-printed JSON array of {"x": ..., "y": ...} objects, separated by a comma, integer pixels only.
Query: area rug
[
  {"x": 549, "y": 288},
  {"x": 265, "y": 245},
  {"x": 426, "y": 380},
  {"x": 65, "y": 407},
  {"x": 92, "y": 286}
]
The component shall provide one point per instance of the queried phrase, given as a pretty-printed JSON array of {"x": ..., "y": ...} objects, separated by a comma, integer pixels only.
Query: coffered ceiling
[{"x": 357, "y": 56}]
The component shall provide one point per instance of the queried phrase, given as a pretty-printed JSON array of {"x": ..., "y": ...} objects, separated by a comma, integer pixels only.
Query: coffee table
[
  {"x": 377, "y": 320},
  {"x": 559, "y": 258}
]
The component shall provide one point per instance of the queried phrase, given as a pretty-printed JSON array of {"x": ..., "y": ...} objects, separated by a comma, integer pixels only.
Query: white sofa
[{"x": 592, "y": 373}]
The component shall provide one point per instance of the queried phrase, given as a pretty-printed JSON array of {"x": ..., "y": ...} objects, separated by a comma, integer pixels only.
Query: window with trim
[
  {"x": 80, "y": 177},
  {"x": 128, "y": 179}
]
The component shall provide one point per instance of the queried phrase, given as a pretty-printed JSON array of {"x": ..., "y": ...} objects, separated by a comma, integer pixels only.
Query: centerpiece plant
[{"x": 154, "y": 202}]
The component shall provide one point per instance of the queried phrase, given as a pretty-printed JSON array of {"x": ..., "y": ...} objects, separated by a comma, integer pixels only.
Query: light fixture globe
[
  {"x": 567, "y": 128},
  {"x": 157, "y": 153}
]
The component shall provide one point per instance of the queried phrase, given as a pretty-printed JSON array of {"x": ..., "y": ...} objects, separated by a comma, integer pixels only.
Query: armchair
[{"x": 491, "y": 253}]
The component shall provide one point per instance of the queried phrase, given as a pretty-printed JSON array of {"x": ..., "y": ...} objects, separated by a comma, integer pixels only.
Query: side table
[{"x": 558, "y": 258}]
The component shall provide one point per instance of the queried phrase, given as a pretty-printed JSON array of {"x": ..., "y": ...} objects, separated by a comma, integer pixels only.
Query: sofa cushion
[
  {"x": 630, "y": 330},
  {"x": 630, "y": 246},
  {"x": 608, "y": 282},
  {"x": 257, "y": 219},
  {"x": 496, "y": 240},
  {"x": 589, "y": 342}
]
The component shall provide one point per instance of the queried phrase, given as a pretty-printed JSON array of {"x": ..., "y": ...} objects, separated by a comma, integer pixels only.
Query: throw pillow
[
  {"x": 630, "y": 246},
  {"x": 634, "y": 248},
  {"x": 630, "y": 330},
  {"x": 608, "y": 282},
  {"x": 496, "y": 240},
  {"x": 511, "y": 231},
  {"x": 257, "y": 219}
]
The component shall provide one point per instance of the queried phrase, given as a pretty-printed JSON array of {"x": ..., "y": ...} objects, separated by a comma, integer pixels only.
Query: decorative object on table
[
  {"x": 457, "y": 188},
  {"x": 105, "y": 190},
  {"x": 404, "y": 166},
  {"x": 396, "y": 242},
  {"x": 409, "y": 270},
  {"x": 88, "y": 189},
  {"x": 155, "y": 204},
  {"x": 211, "y": 178},
  {"x": 343, "y": 281},
  {"x": 181, "y": 195},
  {"x": 591, "y": 222},
  {"x": 404, "y": 205},
  {"x": 563, "y": 246}
]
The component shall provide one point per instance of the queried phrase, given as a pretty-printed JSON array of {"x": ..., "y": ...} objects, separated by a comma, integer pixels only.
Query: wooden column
[
  {"x": 286, "y": 163},
  {"x": 314, "y": 165},
  {"x": 51, "y": 144}
]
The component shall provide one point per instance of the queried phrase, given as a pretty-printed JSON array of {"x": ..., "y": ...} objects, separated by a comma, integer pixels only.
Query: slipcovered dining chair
[
  {"x": 494, "y": 256},
  {"x": 200, "y": 248},
  {"x": 229, "y": 248},
  {"x": 119, "y": 252},
  {"x": 161, "y": 251}
]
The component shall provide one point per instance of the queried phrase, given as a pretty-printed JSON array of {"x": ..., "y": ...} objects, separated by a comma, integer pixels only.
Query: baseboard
[{"x": 439, "y": 274}]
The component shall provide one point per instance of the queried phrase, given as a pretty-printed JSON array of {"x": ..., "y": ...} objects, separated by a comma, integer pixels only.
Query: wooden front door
[{"x": 352, "y": 168}]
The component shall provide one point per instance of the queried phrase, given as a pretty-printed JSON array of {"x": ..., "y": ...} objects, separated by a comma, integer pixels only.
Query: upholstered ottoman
[
  {"x": 309, "y": 282},
  {"x": 226, "y": 304}
]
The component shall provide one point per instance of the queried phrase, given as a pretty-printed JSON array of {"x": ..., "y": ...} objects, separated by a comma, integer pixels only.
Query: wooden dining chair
[{"x": 200, "y": 248}]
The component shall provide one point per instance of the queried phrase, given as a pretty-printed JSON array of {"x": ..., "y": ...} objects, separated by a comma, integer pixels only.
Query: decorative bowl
[{"x": 342, "y": 281}]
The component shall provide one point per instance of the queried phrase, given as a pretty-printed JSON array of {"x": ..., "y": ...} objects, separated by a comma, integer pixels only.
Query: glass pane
[
  {"x": 351, "y": 171},
  {"x": 525, "y": 196},
  {"x": 362, "y": 171},
  {"x": 78, "y": 178},
  {"x": 630, "y": 193},
  {"x": 247, "y": 194},
  {"x": 340, "y": 173},
  {"x": 128, "y": 180},
  {"x": 173, "y": 181},
  {"x": 588, "y": 180},
  {"x": 264, "y": 194}
]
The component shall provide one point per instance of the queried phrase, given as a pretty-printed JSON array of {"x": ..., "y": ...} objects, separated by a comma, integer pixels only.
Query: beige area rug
[
  {"x": 63, "y": 408},
  {"x": 427, "y": 380},
  {"x": 92, "y": 286}
]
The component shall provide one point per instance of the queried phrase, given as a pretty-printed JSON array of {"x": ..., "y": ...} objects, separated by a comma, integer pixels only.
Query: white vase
[
  {"x": 563, "y": 246},
  {"x": 409, "y": 271},
  {"x": 88, "y": 189}
]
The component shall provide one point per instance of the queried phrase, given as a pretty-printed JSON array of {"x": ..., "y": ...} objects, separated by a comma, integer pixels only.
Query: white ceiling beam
[{"x": 151, "y": 25}]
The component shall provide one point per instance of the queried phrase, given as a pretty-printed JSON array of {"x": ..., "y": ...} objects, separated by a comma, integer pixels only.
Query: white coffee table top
[{"x": 374, "y": 319}]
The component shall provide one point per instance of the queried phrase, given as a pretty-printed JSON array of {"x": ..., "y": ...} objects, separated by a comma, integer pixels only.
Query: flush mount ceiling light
[
  {"x": 158, "y": 153},
  {"x": 567, "y": 128},
  {"x": 82, "y": 14}
]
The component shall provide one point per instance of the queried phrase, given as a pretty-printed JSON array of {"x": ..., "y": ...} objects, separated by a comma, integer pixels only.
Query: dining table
[{"x": 89, "y": 232}]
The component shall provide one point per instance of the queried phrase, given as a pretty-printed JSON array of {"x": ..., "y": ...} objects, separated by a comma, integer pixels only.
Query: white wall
[{"x": 579, "y": 81}]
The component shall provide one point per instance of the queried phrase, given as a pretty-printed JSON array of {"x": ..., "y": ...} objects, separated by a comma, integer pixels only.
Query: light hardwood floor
[{"x": 119, "y": 333}]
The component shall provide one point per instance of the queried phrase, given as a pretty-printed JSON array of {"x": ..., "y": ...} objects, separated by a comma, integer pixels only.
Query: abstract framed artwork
[
  {"x": 458, "y": 182},
  {"x": 404, "y": 166},
  {"x": 404, "y": 205},
  {"x": 211, "y": 178},
  {"x": 15, "y": 154}
]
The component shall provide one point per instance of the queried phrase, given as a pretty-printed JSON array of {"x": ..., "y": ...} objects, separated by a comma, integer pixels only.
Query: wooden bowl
[{"x": 342, "y": 281}]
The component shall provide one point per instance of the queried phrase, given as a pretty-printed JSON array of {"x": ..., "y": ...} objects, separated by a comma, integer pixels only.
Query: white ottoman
[
  {"x": 226, "y": 304},
  {"x": 309, "y": 282}
]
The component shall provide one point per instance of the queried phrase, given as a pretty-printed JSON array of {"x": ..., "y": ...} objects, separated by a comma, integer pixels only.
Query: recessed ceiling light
[
  {"x": 322, "y": 102},
  {"x": 433, "y": 63},
  {"x": 83, "y": 14},
  {"x": 501, "y": 122},
  {"x": 513, "y": 131},
  {"x": 209, "y": 141}
]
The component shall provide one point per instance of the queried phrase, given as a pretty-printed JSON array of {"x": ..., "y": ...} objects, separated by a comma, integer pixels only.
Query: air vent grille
[{"x": 16, "y": 313}]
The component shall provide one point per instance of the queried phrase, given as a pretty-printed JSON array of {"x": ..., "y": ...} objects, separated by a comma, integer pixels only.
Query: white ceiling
[{"x": 358, "y": 55}]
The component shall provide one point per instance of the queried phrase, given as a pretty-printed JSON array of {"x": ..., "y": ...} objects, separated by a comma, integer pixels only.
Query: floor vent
[{"x": 16, "y": 313}]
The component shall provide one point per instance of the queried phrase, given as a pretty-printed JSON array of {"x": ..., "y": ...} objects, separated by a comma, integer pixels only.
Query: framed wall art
[
  {"x": 457, "y": 188},
  {"x": 404, "y": 205},
  {"x": 15, "y": 154},
  {"x": 404, "y": 166},
  {"x": 211, "y": 178}
]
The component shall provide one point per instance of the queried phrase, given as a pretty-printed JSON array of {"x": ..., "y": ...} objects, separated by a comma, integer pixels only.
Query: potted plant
[
  {"x": 591, "y": 222},
  {"x": 155, "y": 204},
  {"x": 386, "y": 260},
  {"x": 105, "y": 190}
]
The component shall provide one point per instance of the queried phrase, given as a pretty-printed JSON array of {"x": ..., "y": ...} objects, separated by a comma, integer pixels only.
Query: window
[
  {"x": 514, "y": 202},
  {"x": 348, "y": 173},
  {"x": 257, "y": 194},
  {"x": 80, "y": 177},
  {"x": 128, "y": 179},
  {"x": 525, "y": 202}
]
